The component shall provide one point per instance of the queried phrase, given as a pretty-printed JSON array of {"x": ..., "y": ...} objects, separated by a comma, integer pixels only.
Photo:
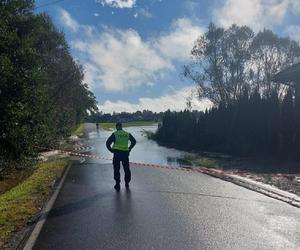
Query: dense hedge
[
  {"x": 253, "y": 126},
  {"x": 42, "y": 94},
  {"x": 252, "y": 115}
]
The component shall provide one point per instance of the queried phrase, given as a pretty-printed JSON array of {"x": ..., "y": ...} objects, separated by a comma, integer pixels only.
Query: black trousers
[{"x": 121, "y": 156}]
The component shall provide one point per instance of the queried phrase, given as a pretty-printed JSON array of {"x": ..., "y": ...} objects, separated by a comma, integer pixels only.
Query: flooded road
[
  {"x": 163, "y": 209},
  {"x": 145, "y": 151}
]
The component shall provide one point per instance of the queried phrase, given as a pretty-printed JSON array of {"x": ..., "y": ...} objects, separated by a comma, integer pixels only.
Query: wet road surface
[{"x": 164, "y": 209}]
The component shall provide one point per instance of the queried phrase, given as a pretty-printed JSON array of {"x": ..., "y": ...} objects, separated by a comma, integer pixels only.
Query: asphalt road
[{"x": 164, "y": 209}]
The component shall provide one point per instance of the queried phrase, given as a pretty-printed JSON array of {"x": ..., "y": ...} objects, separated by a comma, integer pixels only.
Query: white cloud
[
  {"x": 296, "y": 6},
  {"x": 115, "y": 60},
  {"x": 174, "y": 102},
  {"x": 177, "y": 44},
  {"x": 92, "y": 75},
  {"x": 73, "y": 25},
  {"x": 120, "y": 59},
  {"x": 68, "y": 21},
  {"x": 257, "y": 14},
  {"x": 118, "y": 3},
  {"x": 96, "y": 14},
  {"x": 294, "y": 32}
]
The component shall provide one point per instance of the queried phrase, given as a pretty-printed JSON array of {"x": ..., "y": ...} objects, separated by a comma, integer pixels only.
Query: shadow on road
[
  {"x": 73, "y": 207},
  {"x": 87, "y": 202}
]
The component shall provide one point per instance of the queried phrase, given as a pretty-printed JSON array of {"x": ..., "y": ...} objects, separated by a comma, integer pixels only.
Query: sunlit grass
[
  {"x": 79, "y": 130},
  {"x": 21, "y": 203},
  {"x": 205, "y": 162},
  {"x": 14, "y": 176}
]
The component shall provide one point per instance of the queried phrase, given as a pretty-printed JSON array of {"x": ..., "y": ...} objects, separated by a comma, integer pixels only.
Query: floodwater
[{"x": 145, "y": 151}]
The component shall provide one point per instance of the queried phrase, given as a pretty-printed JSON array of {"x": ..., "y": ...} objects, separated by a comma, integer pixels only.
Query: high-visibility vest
[{"x": 121, "y": 140}]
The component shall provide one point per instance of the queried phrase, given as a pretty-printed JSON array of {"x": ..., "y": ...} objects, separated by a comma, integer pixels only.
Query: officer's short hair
[{"x": 118, "y": 125}]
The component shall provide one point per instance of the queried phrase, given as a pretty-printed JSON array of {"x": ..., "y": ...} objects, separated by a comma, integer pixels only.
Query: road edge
[
  {"x": 29, "y": 244},
  {"x": 270, "y": 191}
]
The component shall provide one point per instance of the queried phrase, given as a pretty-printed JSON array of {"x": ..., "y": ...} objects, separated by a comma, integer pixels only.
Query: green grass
[
  {"x": 79, "y": 130},
  {"x": 13, "y": 177},
  {"x": 21, "y": 203},
  {"x": 111, "y": 125},
  {"x": 205, "y": 162}
]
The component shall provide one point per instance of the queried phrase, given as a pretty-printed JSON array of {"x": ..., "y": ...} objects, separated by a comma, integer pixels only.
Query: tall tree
[
  {"x": 42, "y": 94},
  {"x": 269, "y": 55},
  {"x": 219, "y": 63}
]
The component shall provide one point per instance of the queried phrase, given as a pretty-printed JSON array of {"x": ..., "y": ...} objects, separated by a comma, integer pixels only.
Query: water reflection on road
[{"x": 147, "y": 151}]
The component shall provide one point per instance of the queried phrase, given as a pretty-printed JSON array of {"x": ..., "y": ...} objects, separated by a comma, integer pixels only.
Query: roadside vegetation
[
  {"x": 22, "y": 203},
  {"x": 252, "y": 117},
  {"x": 240, "y": 164},
  {"x": 145, "y": 115},
  {"x": 15, "y": 176},
  {"x": 79, "y": 131},
  {"x": 261, "y": 170},
  {"x": 42, "y": 93},
  {"x": 43, "y": 97}
]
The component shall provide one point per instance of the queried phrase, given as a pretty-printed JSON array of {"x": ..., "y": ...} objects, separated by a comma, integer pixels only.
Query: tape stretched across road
[
  {"x": 199, "y": 169},
  {"x": 231, "y": 176},
  {"x": 183, "y": 168}
]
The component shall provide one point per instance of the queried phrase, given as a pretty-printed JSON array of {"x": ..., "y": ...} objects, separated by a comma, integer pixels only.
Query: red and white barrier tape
[
  {"x": 109, "y": 159},
  {"x": 198, "y": 169}
]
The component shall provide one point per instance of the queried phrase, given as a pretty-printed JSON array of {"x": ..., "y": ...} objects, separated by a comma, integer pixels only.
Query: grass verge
[
  {"x": 79, "y": 131},
  {"x": 21, "y": 204},
  {"x": 264, "y": 172},
  {"x": 205, "y": 161},
  {"x": 111, "y": 125},
  {"x": 13, "y": 177}
]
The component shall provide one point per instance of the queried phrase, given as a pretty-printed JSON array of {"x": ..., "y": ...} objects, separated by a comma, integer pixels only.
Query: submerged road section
[{"x": 164, "y": 209}]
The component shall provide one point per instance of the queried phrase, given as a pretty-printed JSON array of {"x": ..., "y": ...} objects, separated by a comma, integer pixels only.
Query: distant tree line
[
  {"x": 42, "y": 94},
  {"x": 145, "y": 115},
  {"x": 252, "y": 116}
]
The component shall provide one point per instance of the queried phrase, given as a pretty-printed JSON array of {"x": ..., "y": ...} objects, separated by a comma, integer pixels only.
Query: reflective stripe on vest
[{"x": 121, "y": 140}]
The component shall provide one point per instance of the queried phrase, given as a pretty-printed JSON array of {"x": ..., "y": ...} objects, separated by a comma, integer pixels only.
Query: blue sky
[{"x": 133, "y": 51}]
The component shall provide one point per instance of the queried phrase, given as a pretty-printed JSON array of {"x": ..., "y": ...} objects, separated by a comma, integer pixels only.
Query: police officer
[{"x": 120, "y": 149}]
